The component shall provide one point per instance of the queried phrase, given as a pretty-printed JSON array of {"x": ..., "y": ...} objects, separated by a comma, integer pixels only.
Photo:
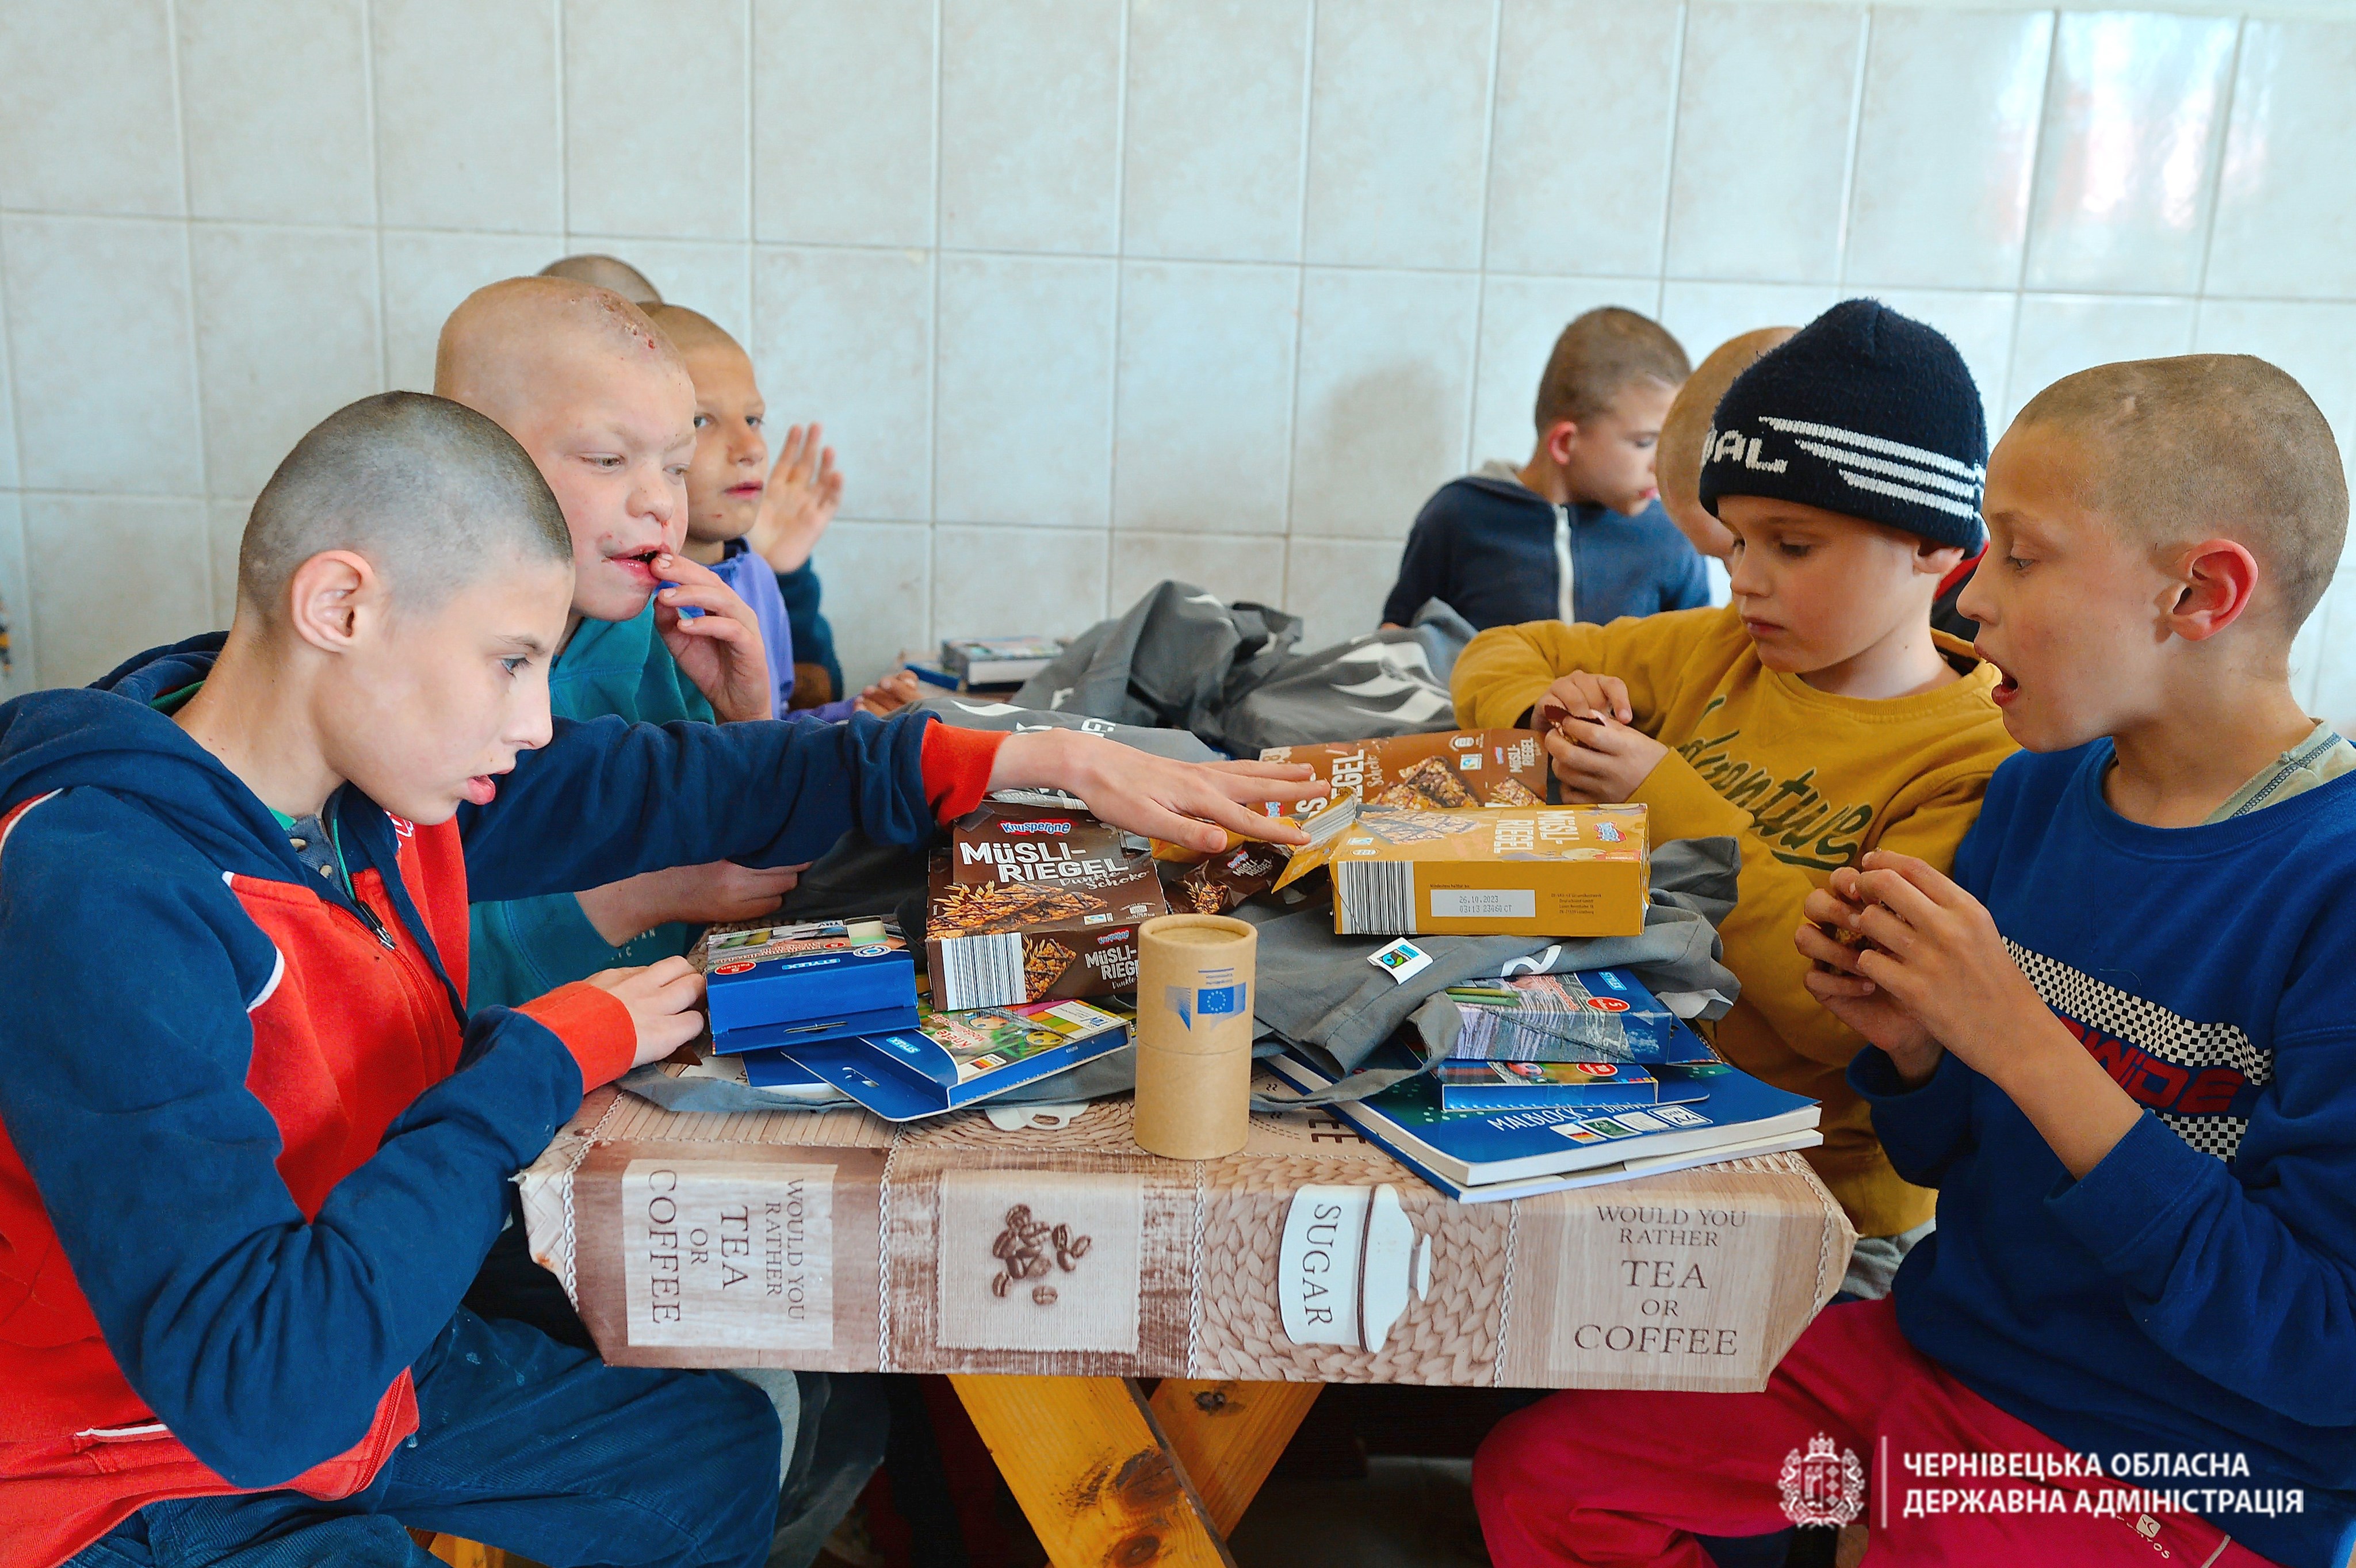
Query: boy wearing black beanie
[{"x": 1818, "y": 717}]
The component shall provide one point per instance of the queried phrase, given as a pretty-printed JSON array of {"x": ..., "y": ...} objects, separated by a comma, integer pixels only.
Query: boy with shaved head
[
  {"x": 2118, "y": 1040},
  {"x": 603, "y": 403},
  {"x": 253, "y": 1143}
]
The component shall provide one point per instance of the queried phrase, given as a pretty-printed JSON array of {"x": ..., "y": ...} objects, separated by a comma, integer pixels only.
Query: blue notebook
[
  {"x": 1585, "y": 1016},
  {"x": 1466, "y": 1153},
  {"x": 800, "y": 984}
]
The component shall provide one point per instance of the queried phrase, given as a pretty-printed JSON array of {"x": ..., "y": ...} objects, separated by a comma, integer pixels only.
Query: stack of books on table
[
  {"x": 1566, "y": 1080},
  {"x": 987, "y": 663}
]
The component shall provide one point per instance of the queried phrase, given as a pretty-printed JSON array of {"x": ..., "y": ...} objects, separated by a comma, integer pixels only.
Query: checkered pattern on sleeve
[{"x": 2170, "y": 1036}]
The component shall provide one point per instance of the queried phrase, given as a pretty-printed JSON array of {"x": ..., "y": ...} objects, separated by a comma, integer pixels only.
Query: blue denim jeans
[{"x": 523, "y": 1444}]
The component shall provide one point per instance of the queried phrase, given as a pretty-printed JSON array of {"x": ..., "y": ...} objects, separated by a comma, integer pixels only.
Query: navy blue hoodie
[{"x": 1495, "y": 551}]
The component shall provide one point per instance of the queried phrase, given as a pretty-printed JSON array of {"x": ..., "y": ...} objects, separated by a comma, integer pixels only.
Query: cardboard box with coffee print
[
  {"x": 1031, "y": 904},
  {"x": 1546, "y": 871}
]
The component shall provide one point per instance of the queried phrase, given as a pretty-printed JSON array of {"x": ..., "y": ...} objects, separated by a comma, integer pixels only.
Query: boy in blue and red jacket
[
  {"x": 2118, "y": 1042},
  {"x": 253, "y": 1148}
]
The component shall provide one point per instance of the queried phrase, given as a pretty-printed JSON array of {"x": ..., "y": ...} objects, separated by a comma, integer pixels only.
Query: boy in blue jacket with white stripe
[
  {"x": 254, "y": 1146},
  {"x": 2119, "y": 1042}
]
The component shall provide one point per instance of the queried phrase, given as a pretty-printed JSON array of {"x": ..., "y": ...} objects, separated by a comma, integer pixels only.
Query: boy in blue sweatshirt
[
  {"x": 2118, "y": 1042},
  {"x": 253, "y": 1143},
  {"x": 1576, "y": 534}
]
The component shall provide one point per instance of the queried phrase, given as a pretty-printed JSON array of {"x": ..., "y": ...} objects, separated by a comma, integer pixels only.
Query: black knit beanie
[{"x": 1866, "y": 412}]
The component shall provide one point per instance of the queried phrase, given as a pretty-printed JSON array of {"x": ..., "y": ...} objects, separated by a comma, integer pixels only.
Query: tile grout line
[
  {"x": 23, "y": 654},
  {"x": 188, "y": 273},
  {"x": 563, "y": 132},
  {"x": 1481, "y": 249},
  {"x": 2215, "y": 174},
  {"x": 2029, "y": 224},
  {"x": 376, "y": 189},
  {"x": 1300, "y": 298},
  {"x": 1119, "y": 286},
  {"x": 1846, "y": 218},
  {"x": 752, "y": 165},
  {"x": 1669, "y": 163},
  {"x": 933, "y": 357}
]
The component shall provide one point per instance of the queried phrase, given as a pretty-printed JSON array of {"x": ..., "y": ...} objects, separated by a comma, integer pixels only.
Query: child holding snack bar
[
  {"x": 2116, "y": 1040},
  {"x": 1817, "y": 718}
]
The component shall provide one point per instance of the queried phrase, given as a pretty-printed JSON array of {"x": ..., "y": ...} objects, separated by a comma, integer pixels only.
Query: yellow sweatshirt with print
[{"x": 1808, "y": 783}]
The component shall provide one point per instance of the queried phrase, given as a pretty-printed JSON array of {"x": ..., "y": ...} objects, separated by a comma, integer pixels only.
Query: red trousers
[{"x": 1601, "y": 1478}]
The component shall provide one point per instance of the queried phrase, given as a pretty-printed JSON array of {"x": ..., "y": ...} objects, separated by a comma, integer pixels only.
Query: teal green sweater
[{"x": 529, "y": 947}]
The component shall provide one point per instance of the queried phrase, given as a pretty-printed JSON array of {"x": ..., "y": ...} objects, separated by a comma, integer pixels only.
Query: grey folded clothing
[
  {"x": 976, "y": 713},
  {"x": 1318, "y": 990}
]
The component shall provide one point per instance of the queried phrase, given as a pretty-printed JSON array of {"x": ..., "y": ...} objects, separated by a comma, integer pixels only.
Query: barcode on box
[
  {"x": 1485, "y": 903},
  {"x": 1375, "y": 899},
  {"x": 979, "y": 971}
]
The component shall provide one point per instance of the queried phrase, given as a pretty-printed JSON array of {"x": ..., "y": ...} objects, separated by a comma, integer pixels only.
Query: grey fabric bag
[
  {"x": 1380, "y": 684},
  {"x": 1176, "y": 658},
  {"x": 972, "y": 712}
]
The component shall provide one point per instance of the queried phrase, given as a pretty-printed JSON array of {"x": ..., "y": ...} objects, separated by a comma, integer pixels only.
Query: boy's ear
[
  {"x": 1558, "y": 439},
  {"x": 2213, "y": 582},
  {"x": 329, "y": 595},
  {"x": 1935, "y": 561}
]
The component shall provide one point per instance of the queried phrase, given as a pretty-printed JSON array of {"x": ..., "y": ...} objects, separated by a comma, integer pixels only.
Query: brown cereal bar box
[
  {"x": 1446, "y": 771},
  {"x": 1031, "y": 904}
]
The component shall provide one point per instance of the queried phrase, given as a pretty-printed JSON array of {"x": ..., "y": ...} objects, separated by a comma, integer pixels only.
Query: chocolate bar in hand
[
  {"x": 1442, "y": 771},
  {"x": 1030, "y": 903}
]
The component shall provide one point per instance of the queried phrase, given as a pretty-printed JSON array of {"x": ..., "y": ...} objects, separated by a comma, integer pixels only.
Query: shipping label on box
[
  {"x": 1549, "y": 871},
  {"x": 1442, "y": 771}
]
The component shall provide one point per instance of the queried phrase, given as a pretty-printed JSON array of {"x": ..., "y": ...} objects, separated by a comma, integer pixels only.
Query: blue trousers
[{"x": 523, "y": 1444}]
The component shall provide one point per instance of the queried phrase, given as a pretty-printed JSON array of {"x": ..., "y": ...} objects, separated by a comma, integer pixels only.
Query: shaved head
[
  {"x": 432, "y": 494},
  {"x": 508, "y": 342},
  {"x": 2209, "y": 446},
  {"x": 605, "y": 272},
  {"x": 690, "y": 330}
]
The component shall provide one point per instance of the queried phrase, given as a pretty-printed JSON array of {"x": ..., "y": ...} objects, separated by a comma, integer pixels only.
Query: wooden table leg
[
  {"x": 1227, "y": 1437},
  {"x": 1086, "y": 1459}
]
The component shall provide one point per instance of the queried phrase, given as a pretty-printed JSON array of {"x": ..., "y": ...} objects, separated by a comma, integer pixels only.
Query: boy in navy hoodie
[
  {"x": 2119, "y": 1042},
  {"x": 1577, "y": 532},
  {"x": 253, "y": 1148}
]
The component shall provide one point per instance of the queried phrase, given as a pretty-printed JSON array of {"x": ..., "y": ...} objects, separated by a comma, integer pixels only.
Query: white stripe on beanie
[
  {"x": 1904, "y": 492},
  {"x": 1874, "y": 444},
  {"x": 1907, "y": 471}
]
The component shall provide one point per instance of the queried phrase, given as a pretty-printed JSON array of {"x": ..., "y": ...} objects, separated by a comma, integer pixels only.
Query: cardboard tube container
[{"x": 1193, "y": 1035}]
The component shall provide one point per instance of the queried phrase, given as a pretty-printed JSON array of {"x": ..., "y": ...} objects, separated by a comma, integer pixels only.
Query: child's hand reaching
[
  {"x": 1179, "y": 802},
  {"x": 803, "y": 491},
  {"x": 889, "y": 695},
  {"x": 661, "y": 998},
  {"x": 1849, "y": 995},
  {"x": 710, "y": 894}
]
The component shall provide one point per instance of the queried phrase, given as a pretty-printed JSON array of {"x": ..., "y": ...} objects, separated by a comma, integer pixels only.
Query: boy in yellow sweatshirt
[{"x": 1815, "y": 717}]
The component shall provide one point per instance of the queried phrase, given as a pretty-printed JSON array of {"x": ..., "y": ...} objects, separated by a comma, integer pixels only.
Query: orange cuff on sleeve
[
  {"x": 957, "y": 768},
  {"x": 594, "y": 1027}
]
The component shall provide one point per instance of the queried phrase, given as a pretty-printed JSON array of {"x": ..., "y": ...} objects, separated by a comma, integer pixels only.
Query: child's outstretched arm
[
  {"x": 606, "y": 799},
  {"x": 2250, "y": 1282}
]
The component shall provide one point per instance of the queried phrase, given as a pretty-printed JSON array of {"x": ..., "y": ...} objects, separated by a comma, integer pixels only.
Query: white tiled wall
[{"x": 1095, "y": 292}]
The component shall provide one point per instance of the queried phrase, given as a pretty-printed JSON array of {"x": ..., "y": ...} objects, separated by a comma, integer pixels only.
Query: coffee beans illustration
[{"x": 1030, "y": 1249}]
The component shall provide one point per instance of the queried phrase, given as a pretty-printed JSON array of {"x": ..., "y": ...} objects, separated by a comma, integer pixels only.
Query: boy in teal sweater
[{"x": 604, "y": 404}]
